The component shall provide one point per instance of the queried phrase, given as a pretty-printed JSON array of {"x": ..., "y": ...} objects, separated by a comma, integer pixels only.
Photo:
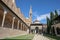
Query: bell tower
[
  {"x": 13, "y": 1},
  {"x": 30, "y": 14}
]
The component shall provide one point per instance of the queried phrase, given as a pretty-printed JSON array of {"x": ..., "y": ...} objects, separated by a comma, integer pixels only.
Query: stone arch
[
  {"x": 8, "y": 20},
  {"x": 58, "y": 30},
  {"x": 36, "y": 29}
]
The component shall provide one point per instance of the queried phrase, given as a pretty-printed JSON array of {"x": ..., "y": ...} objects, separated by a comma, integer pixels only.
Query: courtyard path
[{"x": 40, "y": 37}]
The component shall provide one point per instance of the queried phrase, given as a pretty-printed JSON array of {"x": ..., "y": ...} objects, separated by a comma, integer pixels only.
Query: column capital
[
  {"x": 13, "y": 17},
  {"x": 18, "y": 21},
  {"x": 5, "y": 12}
]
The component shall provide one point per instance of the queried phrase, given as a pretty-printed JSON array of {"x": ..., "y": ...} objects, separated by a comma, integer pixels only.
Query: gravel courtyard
[{"x": 40, "y": 37}]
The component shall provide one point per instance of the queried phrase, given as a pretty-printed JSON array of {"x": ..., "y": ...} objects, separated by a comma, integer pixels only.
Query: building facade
[
  {"x": 56, "y": 26},
  {"x": 12, "y": 17},
  {"x": 37, "y": 27}
]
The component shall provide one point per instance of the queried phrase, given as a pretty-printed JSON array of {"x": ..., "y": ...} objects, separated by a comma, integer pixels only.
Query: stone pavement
[{"x": 40, "y": 37}]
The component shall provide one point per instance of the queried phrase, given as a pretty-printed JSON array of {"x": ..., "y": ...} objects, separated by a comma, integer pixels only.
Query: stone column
[
  {"x": 24, "y": 27},
  {"x": 18, "y": 25},
  {"x": 42, "y": 29},
  {"x": 5, "y": 12},
  {"x": 21, "y": 26},
  {"x": 13, "y": 22},
  {"x": 55, "y": 30}
]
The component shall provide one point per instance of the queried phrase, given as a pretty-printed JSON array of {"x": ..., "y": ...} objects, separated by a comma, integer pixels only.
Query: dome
[{"x": 36, "y": 21}]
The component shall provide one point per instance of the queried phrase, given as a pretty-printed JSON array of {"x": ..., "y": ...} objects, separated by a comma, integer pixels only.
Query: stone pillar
[
  {"x": 24, "y": 27},
  {"x": 42, "y": 29},
  {"x": 5, "y": 12},
  {"x": 21, "y": 26},
  {"x": 35, "y": 31},
  {"x": 18, "y": 25},
  {"x": 55, "y": 30},
  {"x": 13, "y": 22}
]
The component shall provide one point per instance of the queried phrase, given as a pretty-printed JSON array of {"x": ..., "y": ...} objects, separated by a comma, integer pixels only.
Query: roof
[
  {"x": 36, "y": 20},
  {"x": 36, "y": 24}
]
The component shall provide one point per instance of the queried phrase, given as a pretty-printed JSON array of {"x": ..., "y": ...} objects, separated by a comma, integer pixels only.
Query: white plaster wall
[{"x": 33, "y": 27}]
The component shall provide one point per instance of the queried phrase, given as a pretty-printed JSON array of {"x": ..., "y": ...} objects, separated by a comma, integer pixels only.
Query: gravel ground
[{"x": 40, "y": 37}]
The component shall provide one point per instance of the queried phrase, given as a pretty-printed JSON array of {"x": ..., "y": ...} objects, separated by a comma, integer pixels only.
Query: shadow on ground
[
  {"x": 22, "y": 37},
  {"x": 52, "y": 36}
]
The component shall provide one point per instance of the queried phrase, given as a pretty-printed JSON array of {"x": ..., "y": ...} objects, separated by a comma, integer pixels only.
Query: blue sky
[{"x": 40, "y": 8}]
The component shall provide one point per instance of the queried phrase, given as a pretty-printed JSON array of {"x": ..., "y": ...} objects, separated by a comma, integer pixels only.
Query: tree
[
  {"x": 51, "y": 17},
  {"x": 50, "y": 21},
  {"x": 56, "y": 13},
  {"x": 48, "y": 25}
]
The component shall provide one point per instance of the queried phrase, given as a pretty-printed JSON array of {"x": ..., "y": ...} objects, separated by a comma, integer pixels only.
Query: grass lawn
[
  {"x": 23, "y": 37},
  {"x": 52, "y": 37}
]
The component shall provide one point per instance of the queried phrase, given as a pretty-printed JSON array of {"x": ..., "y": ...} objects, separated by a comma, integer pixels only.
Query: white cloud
[
  {"x": 27, "y": 18},
  {"x": 59, "y": 12},
  {"x": 40, "y": 17},
  {"x": 43, "y": 17}
]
